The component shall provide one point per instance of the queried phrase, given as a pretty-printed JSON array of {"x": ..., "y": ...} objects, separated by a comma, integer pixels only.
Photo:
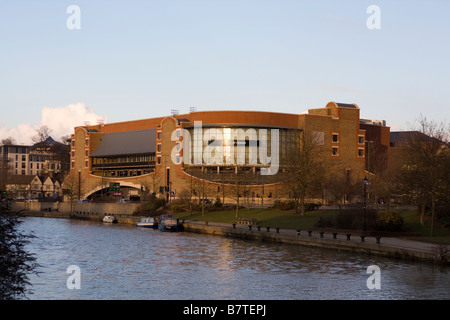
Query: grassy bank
[{"x": 287, "y": 219}]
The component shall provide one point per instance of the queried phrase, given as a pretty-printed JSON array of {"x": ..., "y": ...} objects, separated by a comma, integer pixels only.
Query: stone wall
[{"x": 89, "y": 208}]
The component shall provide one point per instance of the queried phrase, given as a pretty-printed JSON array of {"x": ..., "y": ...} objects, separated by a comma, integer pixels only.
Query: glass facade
[
  {"x": 123, "y": 166},
  {"x": 222, "y": 153}
]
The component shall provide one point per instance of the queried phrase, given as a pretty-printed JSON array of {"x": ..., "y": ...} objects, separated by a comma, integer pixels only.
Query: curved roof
[{"x": 127, "y": 142}]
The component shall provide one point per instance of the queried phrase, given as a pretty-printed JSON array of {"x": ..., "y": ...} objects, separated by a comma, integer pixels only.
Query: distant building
[
  {"x": 31, "y": 159},
  {"x": 24, "y": 187},
  {"x": 149, "y": 155},
  {"x": 32, "y": 187},
  {"x": 377, "y": 144}
]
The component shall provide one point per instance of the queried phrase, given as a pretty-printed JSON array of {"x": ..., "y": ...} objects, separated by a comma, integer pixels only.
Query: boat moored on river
[
  {"x": 147, "y": 222},
  {"x": 109, "y": 218},
  {"x": 168, "y": 223}
]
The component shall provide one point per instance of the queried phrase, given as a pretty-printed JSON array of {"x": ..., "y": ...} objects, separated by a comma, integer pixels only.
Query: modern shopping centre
[{"x": 181, "y": 153}]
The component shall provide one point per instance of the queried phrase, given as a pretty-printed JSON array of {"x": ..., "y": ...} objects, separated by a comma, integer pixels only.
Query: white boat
[
  {"x": 147, "y": 222},
  {"x": 109, "y": 218},
  {"x": 168, "y": 223}
]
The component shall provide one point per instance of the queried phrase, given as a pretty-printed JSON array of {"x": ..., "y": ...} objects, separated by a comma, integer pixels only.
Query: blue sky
[{"x": 140, "y": 59}]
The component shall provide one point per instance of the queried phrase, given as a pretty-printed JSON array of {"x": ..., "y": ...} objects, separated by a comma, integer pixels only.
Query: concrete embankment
[
  {"x": 121, "y": 218},
  {"x": 388, "y": 247}
]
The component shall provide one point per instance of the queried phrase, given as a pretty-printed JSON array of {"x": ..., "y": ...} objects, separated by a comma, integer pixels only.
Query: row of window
[
  {"x": 86, "y": 164},
  {"x": 87, "y": 143},
  {"x": 335, "y": 151},
  {"x": 335, "y": 138},
  {"x": 159, "y": 147},
  {"x": 34, "y": 158},
  {"x": 86, "y": 161}
]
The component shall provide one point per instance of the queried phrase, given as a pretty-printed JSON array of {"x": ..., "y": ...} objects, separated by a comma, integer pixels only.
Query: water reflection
[{"x": 125, "y": 262}]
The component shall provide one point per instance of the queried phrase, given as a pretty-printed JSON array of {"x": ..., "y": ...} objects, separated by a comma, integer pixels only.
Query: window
[
  {"x": 335, "y": 151},
  {"x": 159, "y": 160},
  {"x": 73, "y": 154},
  {"x": 87, "y": 142},
  {"x": 159, "y": 147},
  {"x": 24, "y": 158},
  {"x": 360, "y": 152},
  {"x": 87, "y": 153},
  {"x": 361, "y": 139},
  {"x": 335, "y": 137},
  {"x": 73, "y": 143},
  {"x": 159, "y": 135},
  {"x": 86, "y": 163}
]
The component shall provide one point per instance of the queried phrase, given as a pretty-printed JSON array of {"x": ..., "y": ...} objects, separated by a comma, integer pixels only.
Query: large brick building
[{"x": 167, "y": 155}]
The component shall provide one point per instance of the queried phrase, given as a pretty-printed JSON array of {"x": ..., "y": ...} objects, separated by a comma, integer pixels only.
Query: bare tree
[
  {"x": 42, "y": 134},
  {"x": 74, "y": 187},
  {"x": 426, "y": 168},
  {"x": 65, "y": 139},
  {"x": 199, "y": 184},
  {"x": 153, "y": 182},
  {"x": 8, "y": 141},
  {"x": 335, "y": 187},
  {"x": 239, "y": 185},
  {"x": 304, "y": 168}
]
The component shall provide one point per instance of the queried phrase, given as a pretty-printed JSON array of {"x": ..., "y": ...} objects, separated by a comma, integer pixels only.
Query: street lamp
[
  {"x": 79, "y": 184},
  {"x": 365, "y": 182}
]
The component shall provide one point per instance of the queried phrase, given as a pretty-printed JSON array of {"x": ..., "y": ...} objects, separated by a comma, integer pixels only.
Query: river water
[{"x": 128, "y": 263}]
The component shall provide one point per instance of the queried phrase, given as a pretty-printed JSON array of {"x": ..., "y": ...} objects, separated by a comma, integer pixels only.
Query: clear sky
[{"x": 140, "y": 59}]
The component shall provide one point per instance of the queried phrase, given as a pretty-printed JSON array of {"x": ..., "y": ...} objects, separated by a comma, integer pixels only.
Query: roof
[
  {"x": 346, "y": 105},
  {"x": 402, "y": 137},
  {"x": 20, "y": 179},
  {"x": 124, "y": 143}
]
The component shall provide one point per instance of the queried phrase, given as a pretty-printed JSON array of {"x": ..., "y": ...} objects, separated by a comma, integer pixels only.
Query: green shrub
[
  {"x": 310, "y": 206},
  {"x": 326, "y": 222},
  {"x": 178, "y": 207},
  {"x": 218, "y": 203},
  {"x": 389, "y": 220},
  {"x": 154, "y": 205},
  {"x": 355, "y": 219},
  {"x": 284, "y": 205}
]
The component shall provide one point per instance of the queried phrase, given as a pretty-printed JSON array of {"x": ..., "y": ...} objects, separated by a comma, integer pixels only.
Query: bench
[
  {"x": 246, "y": 221},
  {"x": 348, "y": 233}
]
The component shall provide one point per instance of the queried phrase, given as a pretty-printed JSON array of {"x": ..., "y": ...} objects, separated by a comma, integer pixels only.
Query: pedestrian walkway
[{"x": 389, "y": 246}]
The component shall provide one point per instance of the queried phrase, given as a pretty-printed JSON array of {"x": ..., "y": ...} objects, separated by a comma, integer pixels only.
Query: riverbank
[{"x": 391, "y": 247}]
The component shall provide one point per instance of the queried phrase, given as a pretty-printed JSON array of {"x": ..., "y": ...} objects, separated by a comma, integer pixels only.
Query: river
[{"x": 117, "y": 261}]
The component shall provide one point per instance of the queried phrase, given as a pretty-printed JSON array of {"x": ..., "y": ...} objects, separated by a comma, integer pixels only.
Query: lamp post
[
  {"x": 365, "y": 182},
  {"x": 79, "y": 184}
]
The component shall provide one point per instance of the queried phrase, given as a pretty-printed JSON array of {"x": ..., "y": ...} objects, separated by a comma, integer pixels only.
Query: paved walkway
[{"x": 393, "y": 242}]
